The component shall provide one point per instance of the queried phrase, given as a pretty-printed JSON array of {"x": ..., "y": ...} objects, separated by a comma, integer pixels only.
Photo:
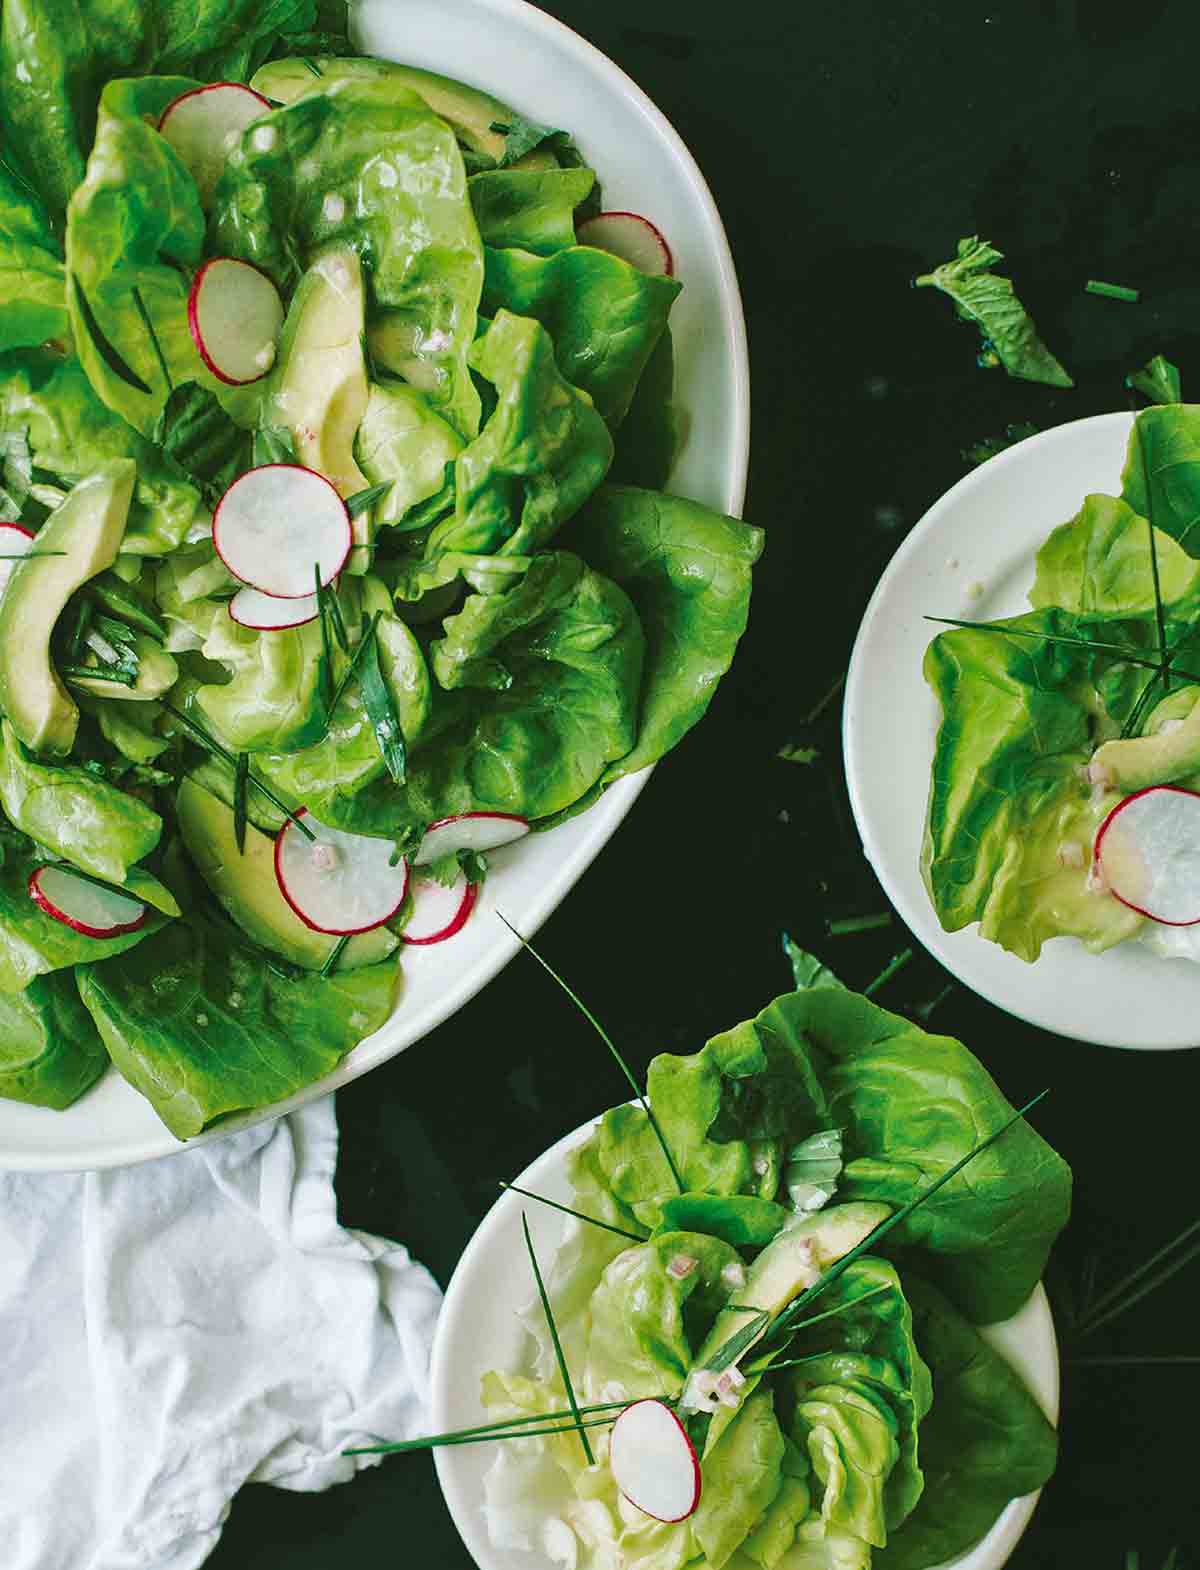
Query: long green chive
[
  {"x": 604, "y": 1037},
  {"x": 634, "y": 1237},
  {"x": 362, "y": 500},
  {"x": 334, "y": 955},
  {"x": 1127, "y": 655},
  {"x": 558, "y": 1351},
  {"x": 241, "y": 774},
  {"x": 1134, "y": 1287},
  {"x": 1112, "y": 291},
  {"x": 214, "y": 746},
  {"x": 25, "y": 555},
  {"x": 729, "y": 1351},
  {"x": 508, "y": 1428}
]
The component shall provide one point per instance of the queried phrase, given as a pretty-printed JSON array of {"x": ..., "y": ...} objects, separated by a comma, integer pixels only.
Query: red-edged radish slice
[
  {"x": 469, "y": 831},
  {"x": 653, "y": 1462},
  {"x": 14, "y": 541},
  {"x": 85, "y": 907},
  {"x": 439, "y": 911},
  {"x": 1148, "y": 852},
  {"x": 235, "y": 314},
  {"x": 275, "y": 523},
  {"x": 340, "y": 883},
  {"x": 205, "y": 124},
  {"x": 631, "y": 237},
  {"x": 265, "y": 613}
]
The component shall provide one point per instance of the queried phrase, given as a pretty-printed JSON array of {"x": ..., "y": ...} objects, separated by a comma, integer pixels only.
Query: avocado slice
[
  {"x": 1169, "y": 750},
  {"x": 470, "y": 112},
  {"x": 320, "y": 389},
  {"x": 87, "y": 528},
  {"x": 794, "y": 1262},
  {"x": 157, "y": 673},
  {"x": 244, "y": 883}
]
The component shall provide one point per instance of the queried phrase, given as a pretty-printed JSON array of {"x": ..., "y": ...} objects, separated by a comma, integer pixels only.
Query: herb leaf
[
  {"x": 380, "y": 706},
  {"x": 362, "y": 500}
]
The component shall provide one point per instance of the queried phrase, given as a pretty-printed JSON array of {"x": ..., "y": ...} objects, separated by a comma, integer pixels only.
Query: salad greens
[
  {"x": 875, "y": 1426},
  {"x": 1051, "y": 718},
  {"x": 512, "y": 633}
]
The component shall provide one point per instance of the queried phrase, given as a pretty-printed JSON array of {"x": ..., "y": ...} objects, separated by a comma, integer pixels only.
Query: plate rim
[
  {"x": 1034, "y": 1319},
  {"x": 617, "y": 801}
]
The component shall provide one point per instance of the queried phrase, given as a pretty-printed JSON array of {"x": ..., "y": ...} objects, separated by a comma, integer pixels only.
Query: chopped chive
[
  {"x": 311, "y": 65},
  {"x": 25, "y": 555},
  {"x": 107, "y": 351},
  {"x": 739, "y": 1342},
  {"x": 381, "y": 709},
  {"x": 326, "y": 671},
  {"x": 1112, "y": 291},
  {"x": 924, "y": 1010},
  {"x": 214, "y": 746},
  {"x": 851, "y": 924},
  {"x": 241, "y": 774},
  {"x": 361, "y": 500},
  {"x": 335, "y": 954},
  {"x": 603, "y": 1034},
  {"x": 896, "y": 963},
  {"x": 842, "y": 1308},
  {"x": 149, "y": 326},
  {"x": 558, "y": 1351},
  {"x": 117, "y": 673},
  {"x": 822, "y": 704},
  {"x": 512, "y": 1428},
  {"x": 633, "y": 1237}
]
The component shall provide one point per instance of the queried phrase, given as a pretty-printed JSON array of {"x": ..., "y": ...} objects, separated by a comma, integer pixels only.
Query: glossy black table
[{"x": 848, "y": 147}]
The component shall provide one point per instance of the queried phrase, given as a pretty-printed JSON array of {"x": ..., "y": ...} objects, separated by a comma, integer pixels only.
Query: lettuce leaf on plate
[
  {"x": 50, "y": 1052},
  {"x": 33, "y": 281}
]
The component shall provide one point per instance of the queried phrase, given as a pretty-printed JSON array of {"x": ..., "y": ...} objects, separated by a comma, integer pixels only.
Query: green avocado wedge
[
  {"x": 88, "y": 529},
  {"x": 245, "y": 885}
]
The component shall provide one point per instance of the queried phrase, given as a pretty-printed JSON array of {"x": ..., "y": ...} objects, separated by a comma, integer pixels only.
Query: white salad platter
[
  {"x": 479, "y": 1330},
  {"x": 972, "y": 556},
  {"x": 544, "y": 69}
]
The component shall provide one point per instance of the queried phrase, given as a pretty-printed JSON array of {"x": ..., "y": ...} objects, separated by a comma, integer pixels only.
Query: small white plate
[
  {"x": 972, "y": 556},
  {"x": 533, "y": 62},
  {"x": 478, "y": 1330}
]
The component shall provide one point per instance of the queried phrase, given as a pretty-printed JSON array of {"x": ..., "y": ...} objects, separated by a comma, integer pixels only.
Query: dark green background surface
[{"x": 848, "y": 147}]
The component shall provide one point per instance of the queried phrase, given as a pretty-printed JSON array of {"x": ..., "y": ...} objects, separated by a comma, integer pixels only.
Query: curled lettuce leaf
[
  {"x": 50, "y": 1052},
  {"x": 741, "y": 1477},
  {"x": 529, "y": 209}
]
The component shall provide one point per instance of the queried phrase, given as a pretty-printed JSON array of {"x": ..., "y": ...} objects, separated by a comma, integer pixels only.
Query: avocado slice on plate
[
  {"x": 87, "y": 530},
  {"x": 244, "y": 882}
]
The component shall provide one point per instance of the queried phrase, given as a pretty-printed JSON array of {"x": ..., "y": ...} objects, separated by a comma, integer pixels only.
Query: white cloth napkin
[{"x": 171, "y": 1331}]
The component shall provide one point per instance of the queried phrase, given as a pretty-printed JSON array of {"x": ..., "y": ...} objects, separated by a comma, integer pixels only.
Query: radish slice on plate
[
  {"x": 631, "y": 237},
  {"x": 234, "y": 314},
  {"x": 1148, "y": 850},
  {"x": 439, "y": 911},
  {"x": 265, "y": 613},
  {"x": 653, "y": 1462},
  {"x": 14, "y": 541},
  {"x": 205, "y": 124},
  {"x": 83, "y": 906},
  {"x": 339, "y": 883},
  {"x": 469, "y": 831},
  {"x": 275, "y": 523}
]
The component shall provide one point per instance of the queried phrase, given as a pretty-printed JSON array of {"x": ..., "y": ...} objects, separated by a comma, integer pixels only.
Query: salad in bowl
[
  {"x": 335, "y": 415},
  {"x": 757, "y": 1343}
]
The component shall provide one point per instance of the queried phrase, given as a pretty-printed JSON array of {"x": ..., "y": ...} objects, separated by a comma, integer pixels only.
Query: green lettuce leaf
[
  {"x": 1158, "y": 379},
  {"x": 741, "y": 1476},
  {"x": 405, "y": 443},
  {"x": 372, "y": 167},
  {"x": 1161, "y": 477},
  {"x": 33, "y": 281},
  {"x": 71, "y": 433},
  {"x": 204, "y": 1029},
  {"x": 273, "y": 700},
  {"x": 1098, "y": 565},
  {"x": 648, "y": 438},
  {"x": 984, "y": 1442},
  {"x": 604, "y": 316},
  {"x": 71, "y": 812},
  {"x": 745, "y": 1220},
  {"x": 989, "y": 300},
  {"x": 775, "y": 1532},
  {"x": 849, "y": 1434},
  {"x": 50, "y": 1052},
  {"x": 530, "y": 209},
  {"x": 56, "y": 56}
]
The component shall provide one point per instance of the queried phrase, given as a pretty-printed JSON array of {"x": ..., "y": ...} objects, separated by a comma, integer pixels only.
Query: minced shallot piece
[
  {"x": 1071, "y": 854},
  {"x": 680, "y": 1266}
]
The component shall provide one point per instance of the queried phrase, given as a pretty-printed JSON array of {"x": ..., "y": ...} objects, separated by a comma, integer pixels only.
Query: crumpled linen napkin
[{"x": 171, "y": 1331}]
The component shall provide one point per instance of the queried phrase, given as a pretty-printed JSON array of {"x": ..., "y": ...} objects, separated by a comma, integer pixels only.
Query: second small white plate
[
  {"x": 478, "y": 1330},
  {"x": 972, "y": 556}
]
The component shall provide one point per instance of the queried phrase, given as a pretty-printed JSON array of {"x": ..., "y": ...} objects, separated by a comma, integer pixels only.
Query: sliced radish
[
  {"x": 1148, "y": 852},
  {"x": 339, "y": 883},
  {"x": 14, "y": 541},
  {"x": 654, "y": 1463},
  {"x": 275, "y": 523},
  {"x": 265, "y": 613},
  {"x": 631, "y": 237},
  {"x": 469, "y": 831},
  {"x": 235, "y": 314},
  {"x": 439, "y": 911},
  {"x": 85, "y": 907},
  {"x": 205, "y": 124}
]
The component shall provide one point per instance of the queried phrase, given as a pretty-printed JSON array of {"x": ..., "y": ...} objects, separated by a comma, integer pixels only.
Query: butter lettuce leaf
[
  {"x": 530, "y": 209},
  {"x": 985, "y": 1440},
  {"x": 50, "y": 1052},
  {"x": 741, "y": 1477},
  {"x": 203, "y": 1028},
  {"x": 33, "y": 281},
  {"x": 604, "y": 316},
  {"x": 1161, "y": 477},
  {"x": 1097, "y": 564}
]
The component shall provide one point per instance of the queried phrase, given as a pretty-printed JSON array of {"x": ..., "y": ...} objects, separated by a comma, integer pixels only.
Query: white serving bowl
[
  {"x": 542, "y": 68},
  {"x": 478, "y": 1330}
]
